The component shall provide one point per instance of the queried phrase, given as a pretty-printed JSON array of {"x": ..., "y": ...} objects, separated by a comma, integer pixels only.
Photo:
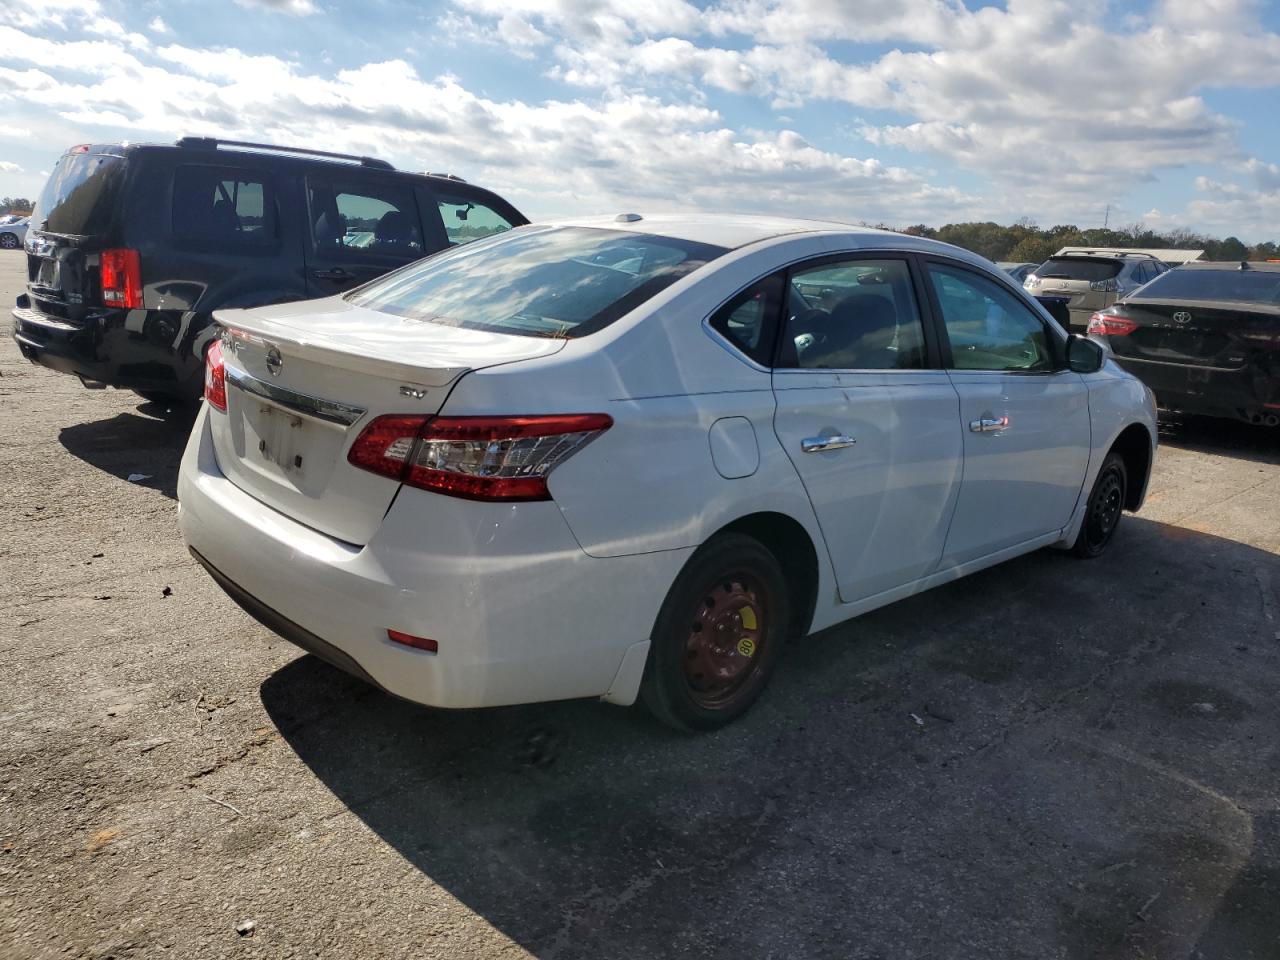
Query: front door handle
[
  {"x": 988, "y": 424},
  {"x": 337, "y": 273},
  {"x": 818, "y": 444}
]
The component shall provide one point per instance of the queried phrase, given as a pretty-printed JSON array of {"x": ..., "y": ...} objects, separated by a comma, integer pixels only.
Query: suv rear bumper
[
  {"x": 120, "y": 348},
  {"x": 1242, "y": 393}
]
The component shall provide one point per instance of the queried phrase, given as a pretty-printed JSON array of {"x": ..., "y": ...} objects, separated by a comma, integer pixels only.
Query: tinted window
[
  {"x": 79, "y": 197},
  {"x": 223, "y": 206},
  {"x": 747, "y": 321},
  {"x": 565, "y": 282},
  {"x": 465, "y": 220},
  {"x": 989, "y": 328},
  {"x": 358, "y": 222},
  {"x": 853, "y": 315},
  {"x": 1079, "y": 268},
  {"x": 1255, "y": 286}
]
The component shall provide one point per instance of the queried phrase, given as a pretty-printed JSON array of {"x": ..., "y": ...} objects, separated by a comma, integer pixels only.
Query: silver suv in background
[{"x": 1086, "y": 282}]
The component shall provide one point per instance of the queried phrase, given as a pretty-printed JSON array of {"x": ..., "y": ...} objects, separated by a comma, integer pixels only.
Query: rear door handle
[
  {"x": 336, "y": 273},
  {"x": 818, "y": 444},
  {"x": 988, "y": 424}
]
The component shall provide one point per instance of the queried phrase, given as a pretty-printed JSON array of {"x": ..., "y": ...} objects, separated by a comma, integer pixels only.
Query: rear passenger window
[
  {"x": 221, "y": 206},
  {"x": 465, "y": 220},
  {"x": 748, "y": 320},
  {"x": 356, "y": 222},
  {"x": 853, "y": 315}
]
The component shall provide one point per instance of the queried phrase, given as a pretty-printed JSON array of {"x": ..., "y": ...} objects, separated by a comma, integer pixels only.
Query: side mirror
[{"x": 1084, "y": 355}]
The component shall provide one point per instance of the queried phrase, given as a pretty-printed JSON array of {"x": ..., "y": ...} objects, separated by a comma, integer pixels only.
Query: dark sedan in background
[{"x": 1204, "y": 337}]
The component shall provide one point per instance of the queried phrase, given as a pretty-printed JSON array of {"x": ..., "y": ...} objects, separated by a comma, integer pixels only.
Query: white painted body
[{"x": 557, "y": 599}]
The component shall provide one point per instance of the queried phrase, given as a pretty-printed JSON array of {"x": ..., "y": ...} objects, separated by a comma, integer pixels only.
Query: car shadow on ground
[
  {"x": 1034, "y": 761},
  {"x": 149, "y": 442},
  {"x": 1232, "y": 438}
]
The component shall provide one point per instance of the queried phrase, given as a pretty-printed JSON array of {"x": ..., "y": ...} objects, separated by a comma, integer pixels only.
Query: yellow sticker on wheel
[
  {"x": 746, "y": 646},
  {"x": 748, "y": 618}
]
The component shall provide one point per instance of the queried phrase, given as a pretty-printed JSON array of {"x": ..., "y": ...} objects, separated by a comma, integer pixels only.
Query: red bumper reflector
[{"x": 418, "y": 643}]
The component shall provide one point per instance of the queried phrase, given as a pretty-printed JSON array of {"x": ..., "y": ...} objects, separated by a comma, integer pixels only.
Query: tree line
[
  {"x": 1024, "y": 242},
  {"x": 15, "y": 205}
]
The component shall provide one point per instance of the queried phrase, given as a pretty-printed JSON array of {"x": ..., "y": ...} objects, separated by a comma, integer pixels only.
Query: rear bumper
[
  {"x": 132, "y": 349},
  {"x": 1244, "y": 393},
  {"x": 520, "y": 612}
]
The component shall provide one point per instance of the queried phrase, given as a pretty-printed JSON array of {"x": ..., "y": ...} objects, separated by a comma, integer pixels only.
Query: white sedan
[
  {"x": 629, "y": 457},
  {"x": 13, "y": 231}
]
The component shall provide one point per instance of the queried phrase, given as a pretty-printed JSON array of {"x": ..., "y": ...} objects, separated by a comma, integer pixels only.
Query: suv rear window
[
  {"x": 1250, "y": 286},
  {"x": 562, "y": 282},
  {"x": 1079, "y": 268},
  {"x": 79, "y": 197}
]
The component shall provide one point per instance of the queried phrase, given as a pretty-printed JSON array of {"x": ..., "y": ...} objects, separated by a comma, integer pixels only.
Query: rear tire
[
  {"x": 1104, "y": 509},
  {"x": 718, "y": 635}
]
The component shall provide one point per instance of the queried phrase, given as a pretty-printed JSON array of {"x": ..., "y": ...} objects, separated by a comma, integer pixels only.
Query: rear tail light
[
  {"x": 121, "y": 279},
  {"x": 478, "y": 458},
  {"x": 215, "y": 377},
  {"x": 1104, "y": 286},
  {"x": 1110, "y": 325}
]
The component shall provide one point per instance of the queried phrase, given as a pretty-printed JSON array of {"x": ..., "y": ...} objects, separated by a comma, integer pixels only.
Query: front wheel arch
[{"x": 1134, "y": 447}]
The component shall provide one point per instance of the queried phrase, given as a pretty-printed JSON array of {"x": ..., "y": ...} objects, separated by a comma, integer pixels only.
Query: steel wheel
[
  {"x": 718, "y": 635},
  {"x": 726, "y": 638},
  {"x": 1104, "y": 509}
]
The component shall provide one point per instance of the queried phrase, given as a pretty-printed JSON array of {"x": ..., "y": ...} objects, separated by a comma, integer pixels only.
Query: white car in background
[
  {"x": 603, "y": 458},
  {"x": 13, "y": 232}
]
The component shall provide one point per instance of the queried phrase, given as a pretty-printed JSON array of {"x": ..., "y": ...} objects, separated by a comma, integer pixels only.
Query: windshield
[
  {"x": 1078, "y": 268},
  {"x": 1251, "y": 286},
  {"x": 564, "y": 282},
  {"x": 79, "y": 196}
]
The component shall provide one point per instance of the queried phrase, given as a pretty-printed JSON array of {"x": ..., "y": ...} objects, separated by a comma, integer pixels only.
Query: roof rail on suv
[
  {"x": 1107, "y": 253},
  {"x": 212, "y": 143}
]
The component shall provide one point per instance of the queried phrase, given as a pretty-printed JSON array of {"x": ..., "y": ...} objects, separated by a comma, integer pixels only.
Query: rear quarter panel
[{"x": 649, "y": 483}]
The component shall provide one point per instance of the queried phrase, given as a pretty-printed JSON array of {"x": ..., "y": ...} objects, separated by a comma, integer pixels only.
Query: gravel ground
[{"x": 1052, "y": 759}]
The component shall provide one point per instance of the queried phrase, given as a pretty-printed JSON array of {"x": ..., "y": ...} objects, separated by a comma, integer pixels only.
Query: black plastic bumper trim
[{"x": 282, "y": 625}]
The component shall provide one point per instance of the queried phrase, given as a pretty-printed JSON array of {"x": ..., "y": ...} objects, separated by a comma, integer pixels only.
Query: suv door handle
[
  {"x": 335, "y": 273},
  {"x": 818, "y": 444},
  {"x": 988, "y": 424}
]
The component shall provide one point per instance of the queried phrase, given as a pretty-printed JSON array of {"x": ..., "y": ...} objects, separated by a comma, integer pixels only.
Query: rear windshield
[
  {"x": 565, "y": 282},
  {"x": 1251, "y": 286},
  {"x": 79, "y": 197},
  {"x": 1078, "y": 268}
]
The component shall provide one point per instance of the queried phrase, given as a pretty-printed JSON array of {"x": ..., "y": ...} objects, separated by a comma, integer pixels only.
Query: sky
[{"x": 904, "y": 112}]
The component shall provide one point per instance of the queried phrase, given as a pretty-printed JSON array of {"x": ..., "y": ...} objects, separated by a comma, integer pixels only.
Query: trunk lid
[
  {"x": 74, "y": 215},
  {"x": 304, "y": 379},
  {"x": 1219, "y": 334}
]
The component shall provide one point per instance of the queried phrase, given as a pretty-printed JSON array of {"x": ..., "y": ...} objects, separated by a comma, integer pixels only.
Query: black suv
[{"x": 131, "y": 248}]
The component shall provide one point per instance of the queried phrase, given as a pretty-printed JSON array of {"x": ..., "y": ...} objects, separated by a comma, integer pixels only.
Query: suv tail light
[
  {"x": 477, "y": 458},
  {"x": 215, "y": 377},
  {"x": 121, "y": 279},
  {"x": 1110, "y": 325},
  {"x": 1105, "y": 286}
]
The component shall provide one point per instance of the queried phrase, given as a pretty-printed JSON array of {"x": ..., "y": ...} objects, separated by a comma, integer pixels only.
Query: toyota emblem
[
  {"x": 275, "y": 362},
  {"x": 1182, "y": 318}
]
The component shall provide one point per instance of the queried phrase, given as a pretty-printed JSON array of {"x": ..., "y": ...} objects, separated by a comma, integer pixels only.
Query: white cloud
[
  {"x": 297, "y": 8},
  {"x": 622, "y": 151},
  {"x": 1060, "y": 94},
  {"x": 157, "y": 25},
  {"x": 7, "y": 166}
]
